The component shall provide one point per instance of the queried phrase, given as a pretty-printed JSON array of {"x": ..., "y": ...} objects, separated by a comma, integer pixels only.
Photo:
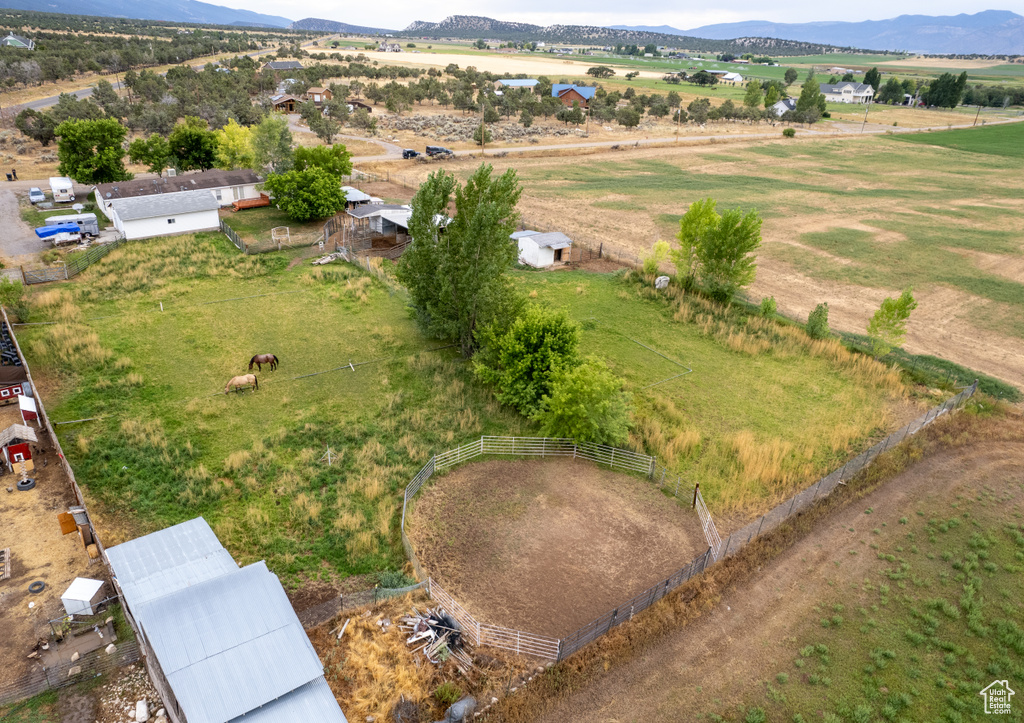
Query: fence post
[
  {"x": 816, "y": 488},
  {"x": 761, "y": 525},
  {"x": 650, "y": 475},
  {"x": 696, "y": 491}
]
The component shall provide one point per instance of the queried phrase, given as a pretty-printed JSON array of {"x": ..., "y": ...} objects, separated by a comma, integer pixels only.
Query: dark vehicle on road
[
  {"x": 439, "y": 152},
  {"x": 410, "y": 153}
]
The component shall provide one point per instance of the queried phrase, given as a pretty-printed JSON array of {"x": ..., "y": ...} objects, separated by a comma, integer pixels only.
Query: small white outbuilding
[
  {"x": 83, "y": 596},
  {"x": 167, "y": 214},
  {"x": 541, "y": 250}
]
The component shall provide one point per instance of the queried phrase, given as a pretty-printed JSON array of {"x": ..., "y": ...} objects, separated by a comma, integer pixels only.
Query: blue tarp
[{"x": 48, "y": 231}]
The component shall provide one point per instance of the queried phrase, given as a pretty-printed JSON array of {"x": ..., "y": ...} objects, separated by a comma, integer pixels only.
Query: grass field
[
  {"x": 999, "y": 140},
  {"x": 255, "y": 224},
  {"x": 169, "y": 446}
]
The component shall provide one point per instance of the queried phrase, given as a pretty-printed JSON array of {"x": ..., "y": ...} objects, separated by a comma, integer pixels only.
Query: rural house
[
  {"x": 225, "y": 186},
  {"x": 319, "y": 95},
  {"x": 16, "y": 41},
  {"x": 516, "y": 83},
  {"x": 784, "y": 105},
  {"x": 541, "y": 250},
  {"x": 847, "y": 92},
  {"x": 285, "y": 103},
  {"x": 222, "y": 643},
  {"x": 727, "y": 75},
  {"x": 282, "y": 65},
  {"x": 573, "y": 93},
  {"x": 389, "y": 48},
  {"x": 167, "y": 214}
]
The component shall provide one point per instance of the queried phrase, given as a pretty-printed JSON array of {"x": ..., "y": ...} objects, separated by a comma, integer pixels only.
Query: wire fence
[
  {"x": 73, "y": 264},
  {"x": 66, "y": 673},
  {"x": 806, "y": 497},
  {"x": 319, "y": 614},
  {"x": 271, "y": 243}
]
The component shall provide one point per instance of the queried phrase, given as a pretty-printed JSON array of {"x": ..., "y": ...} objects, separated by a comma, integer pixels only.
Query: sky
[{"x": 397, "y": 14}]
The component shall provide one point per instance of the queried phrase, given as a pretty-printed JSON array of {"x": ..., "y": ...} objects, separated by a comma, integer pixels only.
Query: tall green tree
[
  {"x": 873, "y": 78},
  {"x": 891, "y": 92},
  {"x": 456, "y": 271},
  {"x": 771, "y": 97},
  {"x": 37, "y": 126},
  {"x": 234, "y": 146},
  {"x": 154, "y": 152},
  {"x": 335, "y": 159},
  {"x": 587, "y": 403},
  {"x": 92, "y": 151},
  {"x": 888, "y": 327},
  {"x": 193, "y": 145},
  {"x": 694, "y": 226},
  {"x": 718, "y": 250},
  {"x": 946, "y": 91},
  {"x": 306, "y": 195},
  {"x": 521, "y": 362},
  {"x": 811, "y": 103},
  {"x": 791, "y": 76},
  {"x": 753, "y": 97},
  {"x": 272, "y": 144}
]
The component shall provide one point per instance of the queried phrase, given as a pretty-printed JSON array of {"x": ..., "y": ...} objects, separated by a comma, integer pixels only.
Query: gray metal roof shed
[
  {"x": 552, "y": 240},
  {"x": 523, "y": 234},
  {"x": 166, "y": 204},
  {"x": 374, "y": 209}
]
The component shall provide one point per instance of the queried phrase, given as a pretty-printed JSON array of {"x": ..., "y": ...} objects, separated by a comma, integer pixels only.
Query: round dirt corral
[{"x": 546, "y": 546}]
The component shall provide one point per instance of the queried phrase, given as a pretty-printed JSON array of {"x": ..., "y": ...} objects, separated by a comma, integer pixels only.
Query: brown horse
[
  {"x": 261, "y": 359},
  {"x": 245, "y": 380}
]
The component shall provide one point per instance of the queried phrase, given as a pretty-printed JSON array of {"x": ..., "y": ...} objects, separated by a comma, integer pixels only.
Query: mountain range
[
  {"x": 990, "y": 32},
  {"x": 177, "y": 11}
]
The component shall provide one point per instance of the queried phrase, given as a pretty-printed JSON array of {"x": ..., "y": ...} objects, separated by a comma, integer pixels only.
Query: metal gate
[{"x": 41, "y": 276}]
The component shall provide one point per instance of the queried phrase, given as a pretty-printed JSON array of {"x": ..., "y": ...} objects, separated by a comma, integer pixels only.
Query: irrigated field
[
  {"x": 847, "y": 221},
  {"x": 764, "y": 410}
]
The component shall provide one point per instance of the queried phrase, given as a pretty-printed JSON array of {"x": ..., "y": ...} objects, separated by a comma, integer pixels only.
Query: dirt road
[
  {"x": 18, "y": 244},
  {"x": 726, "y": 651}
]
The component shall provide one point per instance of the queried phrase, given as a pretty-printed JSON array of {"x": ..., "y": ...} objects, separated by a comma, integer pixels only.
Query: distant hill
[
  {"x": 991, "y": 32},
  {"x": 178, "y": 11},
  {"x": 333, "y": 26},
  {"x": 472, "y": 26}
]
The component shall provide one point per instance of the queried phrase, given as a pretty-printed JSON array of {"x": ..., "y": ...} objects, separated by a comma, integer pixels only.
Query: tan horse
[{"x": 245, "y": 380}]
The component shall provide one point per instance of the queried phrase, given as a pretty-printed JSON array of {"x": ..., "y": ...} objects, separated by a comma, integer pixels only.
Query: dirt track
[
  {"x": 547, "y": 546},
  {"x": 728, "y": 649}
]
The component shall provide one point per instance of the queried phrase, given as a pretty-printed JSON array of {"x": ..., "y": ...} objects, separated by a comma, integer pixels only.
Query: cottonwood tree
[
  {"x": 306, "y": 195},
  {"x": 587, "y": 403},
  {"x": 154, "y": 152},
  {"x": 888, "y": 327},
  {"x": 456, "y": 270},
  {"x": 717, "y": 249},
  {"x": 522, "y": 361},
  {"x": 336, "y": 160},
  {"x": 272, "y": 144},
  {"x": 193, "y": 145},
  {"x": 92, "y": 151},
  {"x": 234, "y": 146}
]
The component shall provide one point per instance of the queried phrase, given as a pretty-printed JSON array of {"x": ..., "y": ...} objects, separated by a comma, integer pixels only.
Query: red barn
[{"x": 13, "y": 381}]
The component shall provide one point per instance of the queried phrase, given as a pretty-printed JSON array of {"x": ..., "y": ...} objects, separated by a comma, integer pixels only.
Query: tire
[
  {"x": 37, "y": 587},
  {"x": 26, "y": 485}
]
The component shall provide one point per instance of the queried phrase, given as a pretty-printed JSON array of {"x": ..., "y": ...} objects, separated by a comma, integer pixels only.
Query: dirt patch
[
  {"x": 714, "y": 661},
  {"x": 38, "y": 552},
  {"x": 547, "y": 546}
]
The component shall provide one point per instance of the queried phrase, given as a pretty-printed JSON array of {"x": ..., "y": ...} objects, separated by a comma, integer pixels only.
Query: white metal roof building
[
  {"x": 542, "y": 249},
  {"x": 166, "y": 214},
  {"x": 222, "y": 644}
]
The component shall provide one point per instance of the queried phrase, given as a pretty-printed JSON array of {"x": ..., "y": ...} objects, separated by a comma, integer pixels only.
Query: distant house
[
  {"x": 515, "y": 83},
  {"x": 16, "y": 41},
  {"x": 319, "y": 95},
  {"x": 221, "y": 643},
  {"x": 541, "y": 250},
  {"x": 568, "y": 94},
  {"x": 783, "y": 106},
  {"x": 167, "y": 214},
  {"x": 354, "y": 105},
  {"x": 286, "y": 103},
  {"x": 389, "y": 48},
  {"x": 225, "y": 186},
  {"x": 276, "y": 65},
  {"x": 847, "y": 92},
  {"x": 727, "y": 75}
]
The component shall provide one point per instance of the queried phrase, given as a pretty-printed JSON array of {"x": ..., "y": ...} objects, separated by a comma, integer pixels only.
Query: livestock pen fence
[
  {"x": 277, "y": 240},
  {"x": 74, "y": 263},
  {"x": 544, "y": 646},
  {"x": 67, "y": 672}
]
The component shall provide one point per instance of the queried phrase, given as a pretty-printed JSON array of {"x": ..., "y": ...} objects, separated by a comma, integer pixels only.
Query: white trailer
[{"x": 63, "y": 189}]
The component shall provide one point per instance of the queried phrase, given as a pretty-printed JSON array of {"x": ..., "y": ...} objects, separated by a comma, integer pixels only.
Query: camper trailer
[
  {"x": 84, "y": 223},
  {"x": 62, "y": 188}
]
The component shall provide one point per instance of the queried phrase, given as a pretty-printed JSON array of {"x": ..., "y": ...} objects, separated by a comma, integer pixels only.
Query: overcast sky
[{"x": 398, "y": 14}]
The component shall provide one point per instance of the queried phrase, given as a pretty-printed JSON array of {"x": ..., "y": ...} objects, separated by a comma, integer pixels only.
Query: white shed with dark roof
[{"x": 166, "y": 214}]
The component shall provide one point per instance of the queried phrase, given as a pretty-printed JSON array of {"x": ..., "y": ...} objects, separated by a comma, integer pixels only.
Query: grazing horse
[
  {"x": 261, "y": 359},
  {"x": 245, "y": 380}
]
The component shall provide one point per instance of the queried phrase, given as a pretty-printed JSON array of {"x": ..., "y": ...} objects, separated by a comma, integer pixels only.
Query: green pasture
[
  {"x": 1005, "y": 140},
  {"x": 936, "y": 621},
  {"x": 169, "y": 445},
  {"x": 837, "y": 59}
]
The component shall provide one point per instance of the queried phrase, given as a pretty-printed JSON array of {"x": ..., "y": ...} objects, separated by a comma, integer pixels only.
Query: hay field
[{"x": 846, "y": 221}]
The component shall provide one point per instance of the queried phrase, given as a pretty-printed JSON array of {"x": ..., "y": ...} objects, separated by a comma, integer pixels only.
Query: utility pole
[
  {"x": 862, "y": 125},
  {"x": 977, "y": 115}
]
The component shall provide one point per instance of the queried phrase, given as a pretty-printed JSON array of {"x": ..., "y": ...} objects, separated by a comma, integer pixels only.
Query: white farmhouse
[
  {"x": 225, "y": 186},
  {"x": 541, "y": 250},
  {"x": 847, "y": 92},
  {"x": 167, "y": 214}
]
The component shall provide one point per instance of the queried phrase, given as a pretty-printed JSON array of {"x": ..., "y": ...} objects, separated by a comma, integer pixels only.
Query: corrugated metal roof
[
  {"x": 552, "y": 240},
  {"x": 374, "y": 209},
  {"x": 169, "y": 560},
  {"x": 230, "y": 644},
  {"x": 312, "y": 702},
  {"x": 399, "y": 218},
  {"x": 354, "y": 195},
  {"x": 522, "y": 234},
  {"x": 167, "y": 204},
  {"x": 586, "y": 91}
]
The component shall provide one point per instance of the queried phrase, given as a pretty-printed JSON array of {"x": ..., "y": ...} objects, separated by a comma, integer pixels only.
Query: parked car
[
  {"x": 410, "y": 153},
  {"x": 439, "y": 152},
  {"x": 36, "y": 195}
]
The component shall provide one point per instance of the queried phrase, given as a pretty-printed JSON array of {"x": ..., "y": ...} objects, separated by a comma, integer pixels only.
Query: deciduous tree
[
  {"x": 193, "y": 145},
  {"x": 873, "y": 78},
  {"x": 336, "y": 160},
  {"x": 272, "y": 144},
  {"x": 306, "y": 195},
  {"x": 234, "y": 146},
  {"x": 587, "y": 403},
  {"x": 154, "y": 152},
  {"x": 717, "y": 249},
  {"x": 92, "y": 151},
  {"x": 753, "y": 97},
  {"x": 888, "y": 327}
]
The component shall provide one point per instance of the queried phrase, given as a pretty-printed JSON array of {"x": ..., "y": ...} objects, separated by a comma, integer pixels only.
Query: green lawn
[
  {"x": 169, "y": 446},
  {"x": 1006, "y": 140},
  {"x": 938, "y": 618},
  {"x": 255, "y": 224},
  {"x": 39, "y": 709}
]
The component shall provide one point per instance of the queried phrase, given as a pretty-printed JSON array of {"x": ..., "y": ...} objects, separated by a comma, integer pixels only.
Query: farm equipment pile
[{"x": 438, "y": 636}]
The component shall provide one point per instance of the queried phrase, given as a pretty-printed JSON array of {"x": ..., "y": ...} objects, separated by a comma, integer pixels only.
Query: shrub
[
  {"x": 393, "y": 579},
  {"x": 659, "y": 252},
  {"x": 817, "y": 322},
  {"x": 587, "y": 404},
  {"x": 768, "y": 307},
  {"x": 447, "y": 693},
  {"x": 789, "y": 132},
  {"x": 755, "y": 715}
]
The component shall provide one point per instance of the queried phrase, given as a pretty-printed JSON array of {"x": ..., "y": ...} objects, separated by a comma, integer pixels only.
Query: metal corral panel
[
  {"x": 229, "y": 645},
  {"x": 312, "y": 702},
  {"x": 169, "y": 560}
]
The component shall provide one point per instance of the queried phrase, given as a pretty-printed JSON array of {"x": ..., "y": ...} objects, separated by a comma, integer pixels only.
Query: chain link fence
[{"x": 260, "y": 246}]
